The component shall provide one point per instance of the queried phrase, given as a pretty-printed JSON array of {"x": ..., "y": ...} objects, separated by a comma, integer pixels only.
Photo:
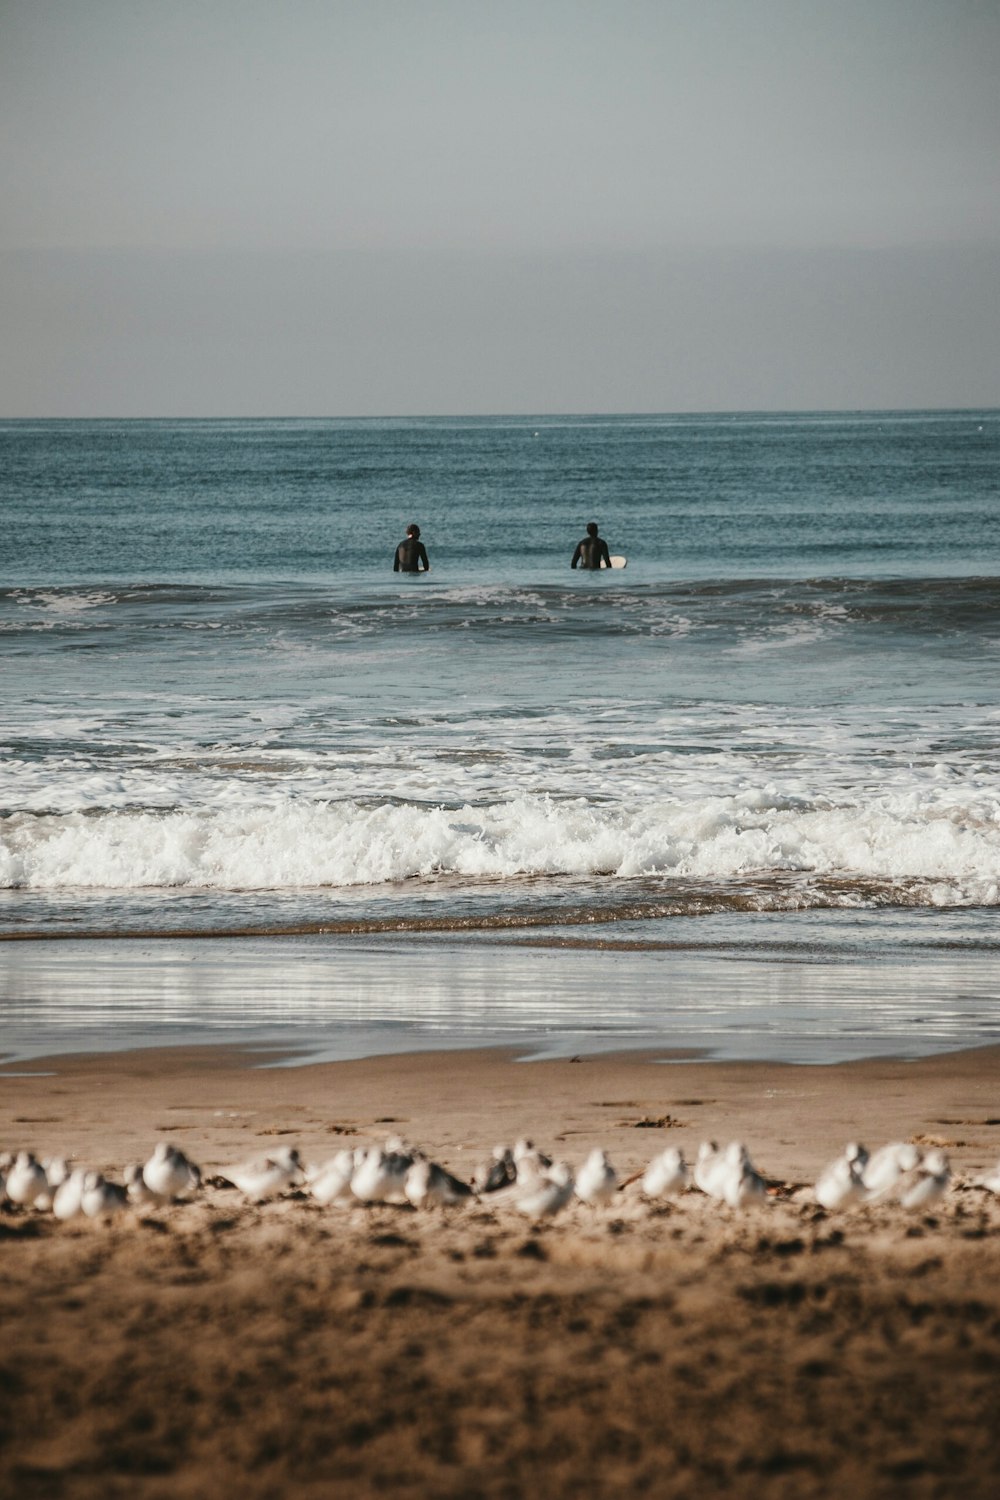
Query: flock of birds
[{"x": 537, "y": 1186}]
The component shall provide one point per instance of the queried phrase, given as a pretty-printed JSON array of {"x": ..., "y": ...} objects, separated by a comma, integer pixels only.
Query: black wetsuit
[
  {"x": 592, "y": 552},
  {"x": 409, "y": 555}
]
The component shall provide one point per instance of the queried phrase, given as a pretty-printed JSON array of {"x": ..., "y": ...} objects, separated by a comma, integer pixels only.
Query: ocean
[{"x": 741, "y": 797}]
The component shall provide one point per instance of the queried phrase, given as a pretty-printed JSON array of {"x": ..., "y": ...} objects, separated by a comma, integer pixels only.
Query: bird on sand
[
  {"x": 429, "y": 1185},
  {"x": 26, "y": 1179},
  {"x": 710, "y": 1169},
  {"x": 67, "y": 1201},
  {"x": 666, "y": 1176},
  {"x": 597, "y": 1180},
  {"x": 992, "y": 1180},
  {"x": 101, "y": 1199},
  {"x": 531, "y": 1165},
  {"x": 550, "y": 1195},
  {"x": 56, "y": 1169},
  {"x": 883, "y": 1171},
  {"x": 140, "y": 1194},
  {"x": 268, "y": 1177},
  {"x": 840, "y": 1184},
  {"x": 331, "y": 1182},
  {"x": 498, "y": 1171},
  {"x": 380, "y": 1177},
  {"x": 741, "y": 1183},
  {"x": 169, "y": 1173},
  {"x": 933, "y": 1176}
]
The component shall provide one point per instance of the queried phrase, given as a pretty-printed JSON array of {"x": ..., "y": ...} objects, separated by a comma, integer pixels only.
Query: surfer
[
  {"x": 411, "y": 553},
  {"x": 592, "y": 551}
]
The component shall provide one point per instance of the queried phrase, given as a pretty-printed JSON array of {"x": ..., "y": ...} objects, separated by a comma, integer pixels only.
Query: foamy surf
[{"x": 950, "y": 849}]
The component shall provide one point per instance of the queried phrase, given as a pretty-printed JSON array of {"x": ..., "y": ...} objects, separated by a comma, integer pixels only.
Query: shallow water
[
  {"x": 821, "y": 991},
  {"x": 222, "y": 713}
]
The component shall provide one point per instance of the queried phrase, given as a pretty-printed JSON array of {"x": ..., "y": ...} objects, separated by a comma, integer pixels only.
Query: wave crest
[{"x": 295, "y": 844}]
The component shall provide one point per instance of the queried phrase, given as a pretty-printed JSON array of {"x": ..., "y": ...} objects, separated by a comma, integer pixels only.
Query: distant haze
[{"x": 246, "y": 207}]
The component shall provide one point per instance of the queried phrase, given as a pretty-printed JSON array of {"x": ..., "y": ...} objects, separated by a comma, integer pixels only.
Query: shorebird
[
  {"x": 66, "y": 1203},
  {"x": 101, "y": 1199},
  {"x": 840, "y": 1184},
  {"x": 552, "y": 1194},
  {"x": 428, "y": 1185},
  {"x": 140, "y": 1194},
  {"x": 56, "y": 1170},
  {"x": 666, "y": 1176},
  {"x": 381, "y": 1176},
  {"x": 710, "y": 1169},
  {"x": 531, "y": 1166},
  {"x": 857, "y": 1154},
  {"x": 331, "y": 1183},
  {"x": 496, "y": 1173},
  {"x": 991, "y": 1180},
  {"x": 169, "y": 1173},
  {"x": 268, "y": 1177},
  {"x": 933, "y": 1177},
  {"x": 882, "y": 1172},
  {"x": 26, "y": 1179},
  {"x": 741, "y": 1183},
  {"x": 597, "y": 1180}
]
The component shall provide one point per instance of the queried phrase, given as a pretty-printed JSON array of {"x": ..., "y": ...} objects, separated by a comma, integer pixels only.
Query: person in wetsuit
[
  {"x": 411, "y": 553},
  {"x": 592, "y": 552}
]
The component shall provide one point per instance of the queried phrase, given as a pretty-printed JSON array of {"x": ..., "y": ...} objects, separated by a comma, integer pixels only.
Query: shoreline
[
  {"x": 795, "y": 1116},
  {"x": 866, "y": 991}
]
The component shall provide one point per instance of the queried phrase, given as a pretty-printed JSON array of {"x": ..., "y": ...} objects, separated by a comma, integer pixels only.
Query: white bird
[
  {"x": 933, "y": 1177},
  {"x": 840, "y": 1184},
  {"x": 496, "y": 1173},
  {"x": 882, "y": 1172},
  {"x": 428, "y": 1185},
  {"x": 56, "y": 1170},
  {"x": 331, "y": 1183},
  {"x": 531, "y": 1166},
  {"x": 381, "y": 1176},
  {"x": 101, "y": 1199},
  {"x": 742, "y": 1183},
  {"x": 26, "y": 1179},
  {"x": 67, "y": 1201},
  {"x": 552, "y": 1194},
  {"x": 268, "y": 1177},
  {"x": 140, "y": 1194},
  {"x": 857, "y": 1154},
  {"x": 710, "y": 1169},
  {"x": 666, "y": 1176},
  {"x": 597, "y": 1180},
  {"x": 169, "y": 1173},
  {"x": 992, "y": 1180}
]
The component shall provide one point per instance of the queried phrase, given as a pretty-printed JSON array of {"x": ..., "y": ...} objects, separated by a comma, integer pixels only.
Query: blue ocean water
[{"x": 223, "y": 713}]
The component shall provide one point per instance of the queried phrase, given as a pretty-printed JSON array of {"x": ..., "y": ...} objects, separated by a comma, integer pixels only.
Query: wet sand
[{"x": 675, "y": 1349}]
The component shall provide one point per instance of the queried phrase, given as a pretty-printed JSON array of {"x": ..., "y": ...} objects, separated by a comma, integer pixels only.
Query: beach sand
[{"x": 676, "y": 1349}]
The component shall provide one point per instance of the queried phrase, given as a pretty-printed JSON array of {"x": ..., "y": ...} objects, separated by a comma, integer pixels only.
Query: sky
[{"x": 377, "y": 207}]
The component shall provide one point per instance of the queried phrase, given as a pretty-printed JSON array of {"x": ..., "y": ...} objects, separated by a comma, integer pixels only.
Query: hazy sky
[{"x": 313, "y": 207}]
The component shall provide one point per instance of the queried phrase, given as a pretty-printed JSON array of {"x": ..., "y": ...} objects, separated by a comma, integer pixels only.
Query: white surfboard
[{"x": 618, "y": 561}]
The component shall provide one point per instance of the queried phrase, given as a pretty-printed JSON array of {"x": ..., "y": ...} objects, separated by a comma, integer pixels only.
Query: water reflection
[{"x": 326, "y": 999}]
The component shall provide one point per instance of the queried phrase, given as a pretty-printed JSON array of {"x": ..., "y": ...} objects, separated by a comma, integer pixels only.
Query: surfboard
[{"x": 619, "y": 562}]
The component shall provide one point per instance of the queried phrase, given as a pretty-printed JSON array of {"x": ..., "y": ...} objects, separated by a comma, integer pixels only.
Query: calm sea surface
[{"x": 772, "y": 742}]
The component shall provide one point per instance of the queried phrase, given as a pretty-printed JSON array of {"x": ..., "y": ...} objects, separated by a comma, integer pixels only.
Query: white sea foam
[
  {"x": 64, "y": 603},
  {"x": 292, "y": 843}
]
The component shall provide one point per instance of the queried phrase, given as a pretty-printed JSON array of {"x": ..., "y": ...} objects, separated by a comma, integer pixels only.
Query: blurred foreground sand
[{"x": 676, "y": 1349}]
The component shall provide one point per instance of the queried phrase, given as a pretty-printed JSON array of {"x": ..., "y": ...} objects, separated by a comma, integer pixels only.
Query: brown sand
[{"x": 227, "y": 1349}]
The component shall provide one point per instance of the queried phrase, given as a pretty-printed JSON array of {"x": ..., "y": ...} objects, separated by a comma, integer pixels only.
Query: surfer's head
[
  {"x": 591, "y": 528},
  {"x": 413, "y": 530}
]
